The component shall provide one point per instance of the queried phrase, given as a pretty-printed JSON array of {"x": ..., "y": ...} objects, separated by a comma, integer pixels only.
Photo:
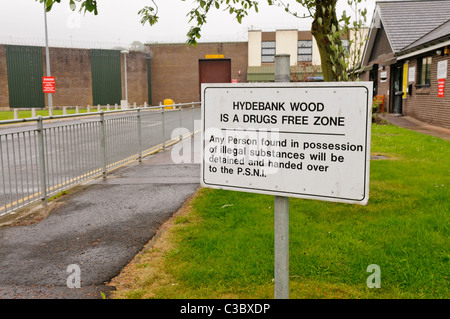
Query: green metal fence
[
  {"x": 106, "y": 77},
  {"x": 25, "y": 71}
]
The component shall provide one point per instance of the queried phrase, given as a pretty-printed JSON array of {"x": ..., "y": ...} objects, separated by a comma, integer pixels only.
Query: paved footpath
[
  {"x": 418, "y": 126},
  {"x": 96, "y": 230}
]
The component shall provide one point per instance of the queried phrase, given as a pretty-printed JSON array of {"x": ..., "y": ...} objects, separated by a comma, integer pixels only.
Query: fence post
[
  {"x": 163, "y": 124},
  {"x": 139, "y": 134},
  {"x": 103, "y": 141},
  {"x": 181, "y": 136},
  {"x": 193, "y": 119},
  {"x": 40, "y": 130}
]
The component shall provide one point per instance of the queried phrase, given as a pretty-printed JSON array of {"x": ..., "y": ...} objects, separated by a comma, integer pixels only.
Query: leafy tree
[{"x": 326, "y": 28}]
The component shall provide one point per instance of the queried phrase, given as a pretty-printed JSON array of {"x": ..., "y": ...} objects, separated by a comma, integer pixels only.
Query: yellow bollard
[{"x": 168, "y": 102}]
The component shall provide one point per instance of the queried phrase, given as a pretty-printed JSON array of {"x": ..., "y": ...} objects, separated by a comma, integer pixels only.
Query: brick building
[
  {"x": 177, "y": 70},
  {"x": 407, "y": 57}
]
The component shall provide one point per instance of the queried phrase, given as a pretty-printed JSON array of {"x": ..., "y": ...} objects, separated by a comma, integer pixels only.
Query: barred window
[
  {"x": 304, "y": 51},
  {"x": 268, "y": 52}
]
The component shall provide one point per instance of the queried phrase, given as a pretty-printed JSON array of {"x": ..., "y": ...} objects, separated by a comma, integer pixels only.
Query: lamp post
[
  {"x": 47, "y": 60},
  {"x": 125, "y": 52}
]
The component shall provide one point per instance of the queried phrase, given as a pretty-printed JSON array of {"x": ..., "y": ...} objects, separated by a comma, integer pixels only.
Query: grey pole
[
  {"x": 125, "y": 52},
  {"x": 41, "y": 141},
  {"x": 103, "y": 143},
  {"x": 139, "y": 126},
  {"x": 281, "y": 207},
  {"x": 47, "y": 60}
]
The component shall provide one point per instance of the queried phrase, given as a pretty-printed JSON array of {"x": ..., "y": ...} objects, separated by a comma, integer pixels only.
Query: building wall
[
  {"x": 315, "y": 53},
  {"x": 175, "y": 68},
  {"x": 424, "y": 103},
  {"x": 137, "y": 78},
  {"x": 287, "y": 43},
  {"x": 384, "y": 63},
  {"x": 72, "y": 71},
  {"x": 4, "y": 93},
  {"x": 254, "y": 48}
]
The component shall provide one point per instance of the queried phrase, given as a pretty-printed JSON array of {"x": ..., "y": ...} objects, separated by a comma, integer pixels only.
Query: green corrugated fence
[
  {"x": 106, "y": 77},
  {"x": 25, "y": 71}
]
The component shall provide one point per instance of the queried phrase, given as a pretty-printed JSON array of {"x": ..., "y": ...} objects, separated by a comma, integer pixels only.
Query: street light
[
  {"x": 125, "y": 52},
  {"x": 47, "y": 60}
]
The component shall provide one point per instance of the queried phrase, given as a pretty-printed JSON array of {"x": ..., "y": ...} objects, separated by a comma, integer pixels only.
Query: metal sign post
[{"x": 281, "y": 207}]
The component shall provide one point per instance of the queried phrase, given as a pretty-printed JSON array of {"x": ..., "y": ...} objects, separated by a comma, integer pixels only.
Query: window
[
  {"x": 425, "y": 71},
  {"x": 304, "y": 51},
  {"x": 268, "y": 52}
]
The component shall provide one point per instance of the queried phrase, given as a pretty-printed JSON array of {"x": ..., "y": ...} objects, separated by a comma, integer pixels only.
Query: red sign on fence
[
  {"x": 441, "y": 87},
  {"x": 48, "y": 84}
]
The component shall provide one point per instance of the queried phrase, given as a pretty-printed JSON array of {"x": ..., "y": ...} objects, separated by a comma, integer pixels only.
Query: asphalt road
[
  {"x": 98, "y": 228},
  {"x": 73, "y": 148}
]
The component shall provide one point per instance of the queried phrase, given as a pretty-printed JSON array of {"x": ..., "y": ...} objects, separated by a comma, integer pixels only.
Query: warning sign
[
  {"x": 441, "y": 87},
  {"x": 288, "y": 139},
  {"x": 48, "y": 84}
]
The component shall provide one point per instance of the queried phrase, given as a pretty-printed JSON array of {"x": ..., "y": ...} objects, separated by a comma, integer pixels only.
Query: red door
[{"x": 214, "y": 71}]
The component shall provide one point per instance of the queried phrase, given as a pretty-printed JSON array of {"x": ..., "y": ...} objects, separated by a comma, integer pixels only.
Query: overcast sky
[{"x": 22, "y": 22}]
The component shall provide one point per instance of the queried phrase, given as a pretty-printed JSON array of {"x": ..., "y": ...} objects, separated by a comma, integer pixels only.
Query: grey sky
[{"x": 22, "y": 22}]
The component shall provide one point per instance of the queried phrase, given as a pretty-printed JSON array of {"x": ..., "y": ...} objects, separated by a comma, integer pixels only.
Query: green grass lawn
[
  {"x": 223, "y": 246},
  {"x": 9, "y": 115}
]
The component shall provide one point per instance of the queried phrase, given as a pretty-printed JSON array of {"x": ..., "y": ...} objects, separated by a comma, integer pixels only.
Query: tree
[{"x": 326, "y": 28}]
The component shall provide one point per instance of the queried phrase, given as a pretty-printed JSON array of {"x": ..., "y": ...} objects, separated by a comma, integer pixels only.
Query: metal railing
[{"x": 40, "y": 161}]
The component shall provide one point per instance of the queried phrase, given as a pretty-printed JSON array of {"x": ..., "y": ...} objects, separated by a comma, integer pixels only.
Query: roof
[
  {"x": 408, "y": 21},
  {"x": 441, "y": 33},
  {"x": 409, "y": 25}
]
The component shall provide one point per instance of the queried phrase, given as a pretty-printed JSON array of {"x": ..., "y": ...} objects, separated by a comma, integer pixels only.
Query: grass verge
[
  {"x": 221, "y": 244},
  {"x": 9, "y": 115}
]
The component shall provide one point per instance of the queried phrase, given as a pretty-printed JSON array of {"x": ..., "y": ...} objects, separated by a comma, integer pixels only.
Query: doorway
[
  {"x": 214, "y": 71},
  {"x": 373, "y": 77},
  {"x": 396, "y": 89}
]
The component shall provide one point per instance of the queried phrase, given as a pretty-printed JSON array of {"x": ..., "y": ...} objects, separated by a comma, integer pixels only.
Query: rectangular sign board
[
  {"x": 305, "y": 140},
  {"x": 48, "y": 84}
]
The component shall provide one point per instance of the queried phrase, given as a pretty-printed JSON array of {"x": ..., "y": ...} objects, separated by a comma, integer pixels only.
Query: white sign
[
  {"x": 442, "y": 69},
  {"x": 307, "y": 140},
  {"x": 412, "y": 74}
]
